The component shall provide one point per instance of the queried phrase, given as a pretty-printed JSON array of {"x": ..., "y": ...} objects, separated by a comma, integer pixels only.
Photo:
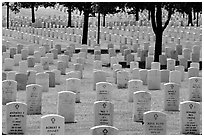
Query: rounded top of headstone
[
  {"x": 65, "y": 92},
  {"x": 52, "y": 115}
]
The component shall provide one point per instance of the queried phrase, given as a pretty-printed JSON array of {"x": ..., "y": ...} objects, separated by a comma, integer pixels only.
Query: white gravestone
[
  {"x": 66, "y": 105},
  {"x": 37, "y": 56},
  {"x": 61, "y": 66},
  {"x": 142, "y": 103},
  {"x": 190, "y": 117},
  {"x": 134, "y": 73},
  {"x": 73, "y": 74},
  {"x": 175, "y": 77},
  {"x": 193, "y": 72},
  {"x": 43, "y": 80},
  {"x": 45, "y": 63},
  {"x": 143, "y": 76},
  {"x": 50, "y": 58},
  {"x": 74, "y": 85},
  {"x": 57, "y": 76},
  {"x": 31, "y": 77},
  {"x": 195, "y": 89},
  {"x": 16, "y": 113},
  {"x": 155, "y": 123},
  {"x": 24, "y": 54},
  {"x": 38, "y": 68},
  {"x": 103, "y": 90},
  {"x": 98, "y": 76},
  {"x": 171, "y": 64},
  {"x": 104, "y": 130},
  {"x": 153, "y": 79},
  {"x": 122, "y": 79},
  {"x": 79, "y": 67},
  {"x": 34, "y": 99},
  {"x": 171, "y": 97},
  {"x": 31, "y": 61},
  {"x": 9, "y": 91},
  {"x": 31, "y": 49},
  {"x": 64, "y": 58},
  {"x": 103, "y": 113},
  {"x": 195, "y": 65},
  {"x": 8, "y": 64},
  {"x": 165, "y": 76},
  {"x": 51, "y": 78},
  {"x": 42, "y": 51},
  {"x": 148, "y": 62},
  {"x": 155, "y": 65},
  {"x": 181, "y": 69},
  {"x": 133, "y": 86},
  {"x": 52, "y": 124},
  {"x": 23, "y": 66},
  {"x": 17, "y": 59},
  {"x": 11, "y": 75}
]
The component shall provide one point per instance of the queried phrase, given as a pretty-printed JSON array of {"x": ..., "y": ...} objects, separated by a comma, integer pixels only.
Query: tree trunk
[
  {"x": 104, "y": 20},
  {"x": 158, "y": 45},
  {"x": 137, "y": 15},
  {"x": 190, "y": 20},
  {"x": 7, "y": 19},
  {"x": 197, "y": 18},
  {"x": 98, "y": 39},
  {"x": 85, "y": 27},
  {"x": 194, "y": 15},
  {"x": 33, "y": 13},
  {"x": 69, "y": 17}
]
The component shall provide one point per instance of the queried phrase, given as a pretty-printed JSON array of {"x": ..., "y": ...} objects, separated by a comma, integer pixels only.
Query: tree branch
[{"x": 167, "y": 22}]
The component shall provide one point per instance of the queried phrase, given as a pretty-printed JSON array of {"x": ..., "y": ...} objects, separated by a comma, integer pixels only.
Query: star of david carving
[
  {"x": 105, "y": 131},
  {"x": 16, "y": 106},
  {"x": 155, "y": 116},
  {"x": 104, "y": 105},
  {"x": 191, "y": 106},
  {"x": 104, "y": 86},
  {"x": 196, "y": 80},
  {"x": 53, "y": 120}
]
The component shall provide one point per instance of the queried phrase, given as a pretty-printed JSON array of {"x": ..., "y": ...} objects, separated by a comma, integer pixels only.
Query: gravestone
[
  {"x": 52, "y": 124},
  {"x": 24, "y": 54},
  {"x": 98, "y": 76},
  {"x": 23, "y": 66},
  {"x": 186, "y": 53},
  {"x": 142, "y": 103},
  {"x": 181, "y": 70},
  {"x": 65, "y": 59},
  {"x": 74, "y": 85},
  {"x": 174, "y": 54},
  {"x": 103, "y": 90},
  {"x": 16, "y": 113},
  {"x": 195, "y": 57},
  {"x": 31, "y": 49},
  {"x": 37, "y": 56},
  {"x": 51, "y": 78},
  {"x": 97, "y": 65},
  {"x": 133, "y": 65},
  {"x": 11, "y": 75},
  {"x": 103, "y": 113},
  {"x": 193, "y": 72},
  {"x": 45, "y": 63},
  {"x": 134, "y": 73},
  {"x": 9, "y": 91},
  {"x": 148, "y": 62},
  {"x": 195, "y": 89},
  {"x": 21, "y": 79},
  {"x": 55, "y": 53},
  {"x": 143, "y": 55},
  {"x": 163, "y": 59},
  {"x": 66, "y": 105},
  {"x": 38, "y": 68},
  {"x": 58, "y": 47},
  {"x": 57, "y": 76},
  {"x": 171, "y": 64},
  {"x": 155, "y": 65},
  {"x": 17, "y": 59},
  {"x": 12, "y": 52},
  {"x": 43, "y": 80},
  {"x": 122, "y": 79},
  {"x": 8, "y": 64},
  {"x": 143, "y": 76},
  {"x": 31, "y": 61},
  {"x": 165, "y": 76},
  {"x": 61, "y": 66},
  {"x": 133, "y": 86},
  {"x": 42, "y": 51},
  {"x": 104, "y": 130},
  {"x": 73, "y": 74},
  {"x": 171, "y": 97},
  {"x": 34, "y": 99},
  {"x": 183, "y": 62},
  {"x": 31, "y": 74},
  {"x": 190, "y": 117},
  {"x": 179, "y": 49},
  {"x": 153, "y": 79},
  {"x": 155, "y": 123},
  {"x": 168, "y": 52},
  {"x": 175, "y": 77},
  {"x": 50, "y": 57},
  {"x": 79, "y": 67},
  {"x": 195, "y": 65},
  {"x": 113, "y": 60},
  {"x": 19, "y": 48}
]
